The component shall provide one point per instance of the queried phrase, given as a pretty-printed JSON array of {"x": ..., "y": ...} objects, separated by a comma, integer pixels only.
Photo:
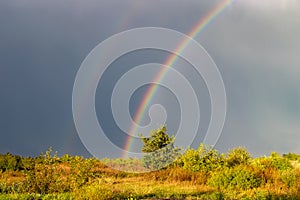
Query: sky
[{"x": 254, "y": 43}]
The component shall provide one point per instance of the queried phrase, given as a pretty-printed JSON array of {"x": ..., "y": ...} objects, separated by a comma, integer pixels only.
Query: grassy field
[{"x": 195, "y": 175}]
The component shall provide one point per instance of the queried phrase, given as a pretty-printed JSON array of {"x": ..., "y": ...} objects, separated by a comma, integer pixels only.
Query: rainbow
[{"x": 204, "y": 22}]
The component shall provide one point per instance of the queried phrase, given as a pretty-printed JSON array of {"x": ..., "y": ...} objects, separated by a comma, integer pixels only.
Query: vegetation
[
  {"x": 160, "y": 149},
  {"x": 201, "y": 173}
]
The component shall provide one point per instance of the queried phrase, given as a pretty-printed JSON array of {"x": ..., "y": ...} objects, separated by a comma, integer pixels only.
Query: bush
[
  {"x": 205, "y": 158},
  {"x": 236, "y": 178},
  {"x": 292, "y": 156},
  {"x": 80, "y": 172},
  {"x": 11, "y": 188},
  {"x": 281, "y": 163},
  {"x": 238, "y": 156},
  {"x": 289, "y": 177},
  {"x": 46, "y": 175},
  {"x": 273, "y": 161},
  {"x": 10, "y": 162}
]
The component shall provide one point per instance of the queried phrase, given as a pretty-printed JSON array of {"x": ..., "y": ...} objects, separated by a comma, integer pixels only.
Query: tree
[
  {"x": 157, "y": 140},
  {"x": 159, "y": 149}
]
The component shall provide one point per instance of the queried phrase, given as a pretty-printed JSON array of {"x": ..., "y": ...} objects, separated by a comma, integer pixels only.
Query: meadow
[{"x": 201, "y": 173}]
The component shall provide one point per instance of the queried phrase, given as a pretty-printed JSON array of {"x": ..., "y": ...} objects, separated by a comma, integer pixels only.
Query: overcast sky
[{"x": 254, "y": 43}]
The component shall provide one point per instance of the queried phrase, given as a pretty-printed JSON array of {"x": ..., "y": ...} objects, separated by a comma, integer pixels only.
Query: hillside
[{"x": 197, "y": 174}]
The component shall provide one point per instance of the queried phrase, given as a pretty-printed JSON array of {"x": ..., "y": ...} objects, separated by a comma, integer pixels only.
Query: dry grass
[{"x": 103, "y": 182}]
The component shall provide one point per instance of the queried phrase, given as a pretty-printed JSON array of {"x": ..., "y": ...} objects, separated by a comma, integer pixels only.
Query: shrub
[
  {"x": 11, "y": 188},
  {"x": 234, "y": 178},
  {"x": 238, "y": 156},
  {"x": 80, "y": 172},
  {"x": 10, "y": 162},
  {"x": 281, "y": 163},
  {"x": 292, "y": 156},
  {"x": 288, "y": 177},
  {"x": 46, "y": 175},
  {"x": 205, "y": 158},
  {"x": 273, "y": 161}
]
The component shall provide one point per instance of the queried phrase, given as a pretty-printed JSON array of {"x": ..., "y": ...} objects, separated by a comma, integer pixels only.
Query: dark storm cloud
[
  {"x": 257, "y": 53},
  {"x": 42, "y": 44}
]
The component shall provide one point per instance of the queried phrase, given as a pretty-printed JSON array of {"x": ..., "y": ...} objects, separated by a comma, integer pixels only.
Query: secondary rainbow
[{"x": 216, "y": 11}]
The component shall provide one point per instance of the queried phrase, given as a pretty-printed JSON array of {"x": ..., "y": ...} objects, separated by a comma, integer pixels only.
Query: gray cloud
[
  {"x": 254, "y": 43},
  {"x": 256, "y": 48}
]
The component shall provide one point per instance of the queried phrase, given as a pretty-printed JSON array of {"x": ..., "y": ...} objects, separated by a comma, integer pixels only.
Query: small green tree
[
  {"x": 159, "y": 149},
  {"x": 157, "y": 140}
]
